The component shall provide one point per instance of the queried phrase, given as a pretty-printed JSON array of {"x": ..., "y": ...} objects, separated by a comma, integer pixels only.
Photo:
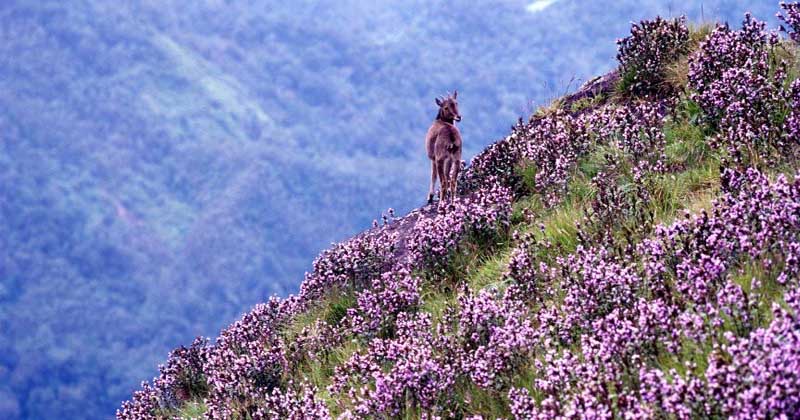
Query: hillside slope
[
  {"x": 632, "y": 250},
  {"x": 166, "y": 165}
]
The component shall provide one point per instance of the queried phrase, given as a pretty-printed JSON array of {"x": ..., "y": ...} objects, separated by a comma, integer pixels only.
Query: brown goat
[{"x": 443, "y": 144}]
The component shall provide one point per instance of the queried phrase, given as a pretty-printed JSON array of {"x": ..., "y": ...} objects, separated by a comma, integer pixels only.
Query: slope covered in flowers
[{"x": 631, "y": 251}]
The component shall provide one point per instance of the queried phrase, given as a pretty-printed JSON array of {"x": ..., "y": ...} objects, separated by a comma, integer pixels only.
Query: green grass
[
  {"x": 588, "y": 103},
  {"x": 698, "y": 33},
  {"x": 624, "y": 86},
  {"x": 436, "y": 302},
  {"x": 560, "y": 228},
  {"x": 491, "y": 404},
  {"x": 789, "y": 52},
  {"x": 331, "y": 309},
  {"x": 490, "y": 272},
  {"x": 320, "y": 372},
  {"x": 692, "y": 189},
  {"x": 192, "y": 410},
  {"x": 687, "y": 145}
]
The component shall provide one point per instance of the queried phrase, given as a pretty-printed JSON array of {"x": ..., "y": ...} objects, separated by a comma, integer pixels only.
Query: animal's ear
[
  {"x": 438, "y": 102},
  {"x": 455, "y": 94}
]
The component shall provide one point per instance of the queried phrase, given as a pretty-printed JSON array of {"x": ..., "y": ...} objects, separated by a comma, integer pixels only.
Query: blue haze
[{"x": 165, "y": 165}]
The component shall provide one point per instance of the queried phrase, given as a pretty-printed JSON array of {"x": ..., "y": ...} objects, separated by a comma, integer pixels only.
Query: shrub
[
  {"x": 741, "y": 91},
  {"x": 791, "y": 17},
  {"x": 645, "y": 54}
]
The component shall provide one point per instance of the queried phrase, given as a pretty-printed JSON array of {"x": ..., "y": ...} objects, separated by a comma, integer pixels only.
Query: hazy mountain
[{"x": 164, "y": 165}]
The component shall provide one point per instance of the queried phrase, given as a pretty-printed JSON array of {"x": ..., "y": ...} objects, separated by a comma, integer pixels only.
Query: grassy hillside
[
  {"x": 166, "y": 165},
  {"x": 630, "y": 250}
]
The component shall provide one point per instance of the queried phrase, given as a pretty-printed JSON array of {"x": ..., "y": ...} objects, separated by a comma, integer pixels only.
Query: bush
[
  {"x": 741, "y": 90},
  {"x": 645, "y": 54},
  {"x": 791, "y": 18}
]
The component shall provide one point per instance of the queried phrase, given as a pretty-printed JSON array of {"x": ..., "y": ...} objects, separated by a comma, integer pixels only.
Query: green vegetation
[{"x": 192, "y": 410}]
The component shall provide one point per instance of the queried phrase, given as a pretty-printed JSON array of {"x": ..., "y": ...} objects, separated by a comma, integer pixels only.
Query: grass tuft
[{"x": 192, "y": 410}]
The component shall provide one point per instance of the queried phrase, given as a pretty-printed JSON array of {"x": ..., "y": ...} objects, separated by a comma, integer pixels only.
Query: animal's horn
[{"x": 455, "y": 94}]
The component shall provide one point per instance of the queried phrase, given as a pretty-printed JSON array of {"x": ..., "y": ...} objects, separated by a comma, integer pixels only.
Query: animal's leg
[
  {"x": 446, "y": 180},
  {"x": 454, "y": 179},
  {"x": 433, "y": 181},
  {"x": 442, "y": 181}
]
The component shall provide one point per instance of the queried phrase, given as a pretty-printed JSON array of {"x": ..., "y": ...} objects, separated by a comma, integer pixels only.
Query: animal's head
[{"x": 448, "y": 107}]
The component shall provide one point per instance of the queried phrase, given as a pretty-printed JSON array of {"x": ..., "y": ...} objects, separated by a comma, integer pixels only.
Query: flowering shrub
[
  {"x": 532, "y": 278},
  {"x": 751, "y": 100},
  {"x": 637, "y": 131},
  {"x": 434, "y": 240},
  {"x": 482, "y": 215},
  {"x": 406, "y": 371},
  {"x": 553, "y": 143},
  {"x": 180, "y": 379},
  {"x": 144, "y": 404},
  {"x": 722, "y": 50},
  {"x": 312, "y": 343},
  {"x": 353, "y": 263},
  {"x": 683, "y": 397},
  {"x": 651, "y": 46},
  {"x": 620, "y": 320},
  {"x": 294, "y": 403},
  {"x": 741, "y": 90},
  {"x": 791, "y": 18},
  {"x": 377, "y": 308},
  {"x": 758, "y": 376},
  {"x": 492, "y": 336},
  {"x": 495, "y": 165},
  {"x": 791, "y": 127},
  {"x": 749, "y": 220},
  {"x": 246, "y": 363}
]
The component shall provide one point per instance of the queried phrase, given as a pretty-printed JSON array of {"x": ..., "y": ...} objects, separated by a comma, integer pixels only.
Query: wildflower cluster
[
  {"x": 740, "y": 88},
  {"x": 758, "y": 376},
  {"x": 377, "y": 308},
  {"x": 350, "y": 264},
  {"x": 644, "y": 55},
  {"x": 246, "y": 363},
  {"x": 530, "y": 276},
  {"x": 791, "y": 127},
  {"x": 495, "y": 165},
  {"x": 489, "y": 337},
  {"x": 181, "y": 379},
  {"x": 482, "y": 215},
  {"x": 636, "y": 130},
  {"x": 553, "y": 144},
  {"x": 791, "y": 17},
  {"x": 397, "y": 375},
  {"x": 313, "y": 343},
  {"x": 620, "y": 316},
  {"x": 722, "y": 50},
  {"x": 482, "y": 342},
  {"x": 634, "y": 155},
  {"x": 295, "y": 402}
]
